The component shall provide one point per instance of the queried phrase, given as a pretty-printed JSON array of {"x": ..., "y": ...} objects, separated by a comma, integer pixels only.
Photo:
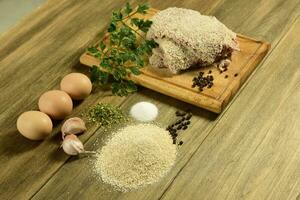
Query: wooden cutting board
[{"x": 179, "y": 86}]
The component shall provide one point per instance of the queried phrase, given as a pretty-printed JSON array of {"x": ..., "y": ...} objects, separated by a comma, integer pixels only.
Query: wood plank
[
  {"x": 34, "y": 56},
  {"x": 64, "y": 185},
  {"x": 256, "y": 154},
  {"x": 178, "y": 86},
  {"x": 243, "y": 16}
]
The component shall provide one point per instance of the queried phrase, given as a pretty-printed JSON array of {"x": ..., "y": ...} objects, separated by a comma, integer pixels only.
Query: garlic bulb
[
  {"x": 73, "y": 146},
  {"x": 73, "y": 125}
]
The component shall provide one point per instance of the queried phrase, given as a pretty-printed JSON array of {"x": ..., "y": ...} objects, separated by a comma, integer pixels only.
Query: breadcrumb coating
[{"x": 187, "y": 38}]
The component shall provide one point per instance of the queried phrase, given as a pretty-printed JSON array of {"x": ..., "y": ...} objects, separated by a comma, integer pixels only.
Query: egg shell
[
  {"x": 77, "y": 85},
  {"x": 56, "y": 103},
  {"x": 34, "y": 125}
]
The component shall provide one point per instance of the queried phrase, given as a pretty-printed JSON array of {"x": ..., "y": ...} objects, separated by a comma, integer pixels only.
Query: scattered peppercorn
[
  {"x": 236, "y": 74},
  {"x": 226, "y": 76},
  {"x": 180, "y": 113},
  {"x": 180, "y": 124},
  {"x": 189, "y": 116},
  {"x": 203, "y": 81}
]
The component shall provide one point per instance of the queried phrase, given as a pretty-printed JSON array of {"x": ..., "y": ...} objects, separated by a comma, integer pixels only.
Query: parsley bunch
[{"x": 125, "y": 51}]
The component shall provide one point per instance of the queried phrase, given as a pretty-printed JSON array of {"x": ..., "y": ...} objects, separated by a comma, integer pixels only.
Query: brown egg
[
  {"x": 77, "y": 85},
  {"x": 56, "y": 103},
  {"x": 34, "y": 125}
]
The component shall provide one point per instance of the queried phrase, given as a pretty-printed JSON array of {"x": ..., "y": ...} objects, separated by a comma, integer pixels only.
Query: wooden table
[{"x": 250, "y": 151}]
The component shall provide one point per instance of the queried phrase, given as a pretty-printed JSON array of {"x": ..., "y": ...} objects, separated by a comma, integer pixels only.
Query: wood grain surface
[
  {"x": 250, "y": 151},
  {"x": 214, "y": 99},
  {"x": 264, "y": 165}
]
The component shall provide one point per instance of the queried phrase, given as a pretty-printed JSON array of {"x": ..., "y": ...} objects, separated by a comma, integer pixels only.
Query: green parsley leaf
[
  {"x": 151, "y": 43},
  {"x": 130, "y": 86},
  {"x": 102, "y": 45},
  {"x": 114, "y": 38},
  {"x": 124, "y": 53},
  {"x": 143, "y": 25},
  {"x": 124, "y": 87},
  {"x": 112, "y": 27},
  {"x": 142, "y": 8},
  {"x": 103, "y": 77},
  {"x": 117, "y": 16},
  {"x": 139, "y": 61},
  {"x": 94, "y": 73},
  {"x": 128, "y": 9},
  {"x": 128, "y": 42},
  {"x": 135, "y": 70},
  {"x": 94, "y": 52},
  {"x": 119, "y": 89},
  {"x": 105, "y": 64}
]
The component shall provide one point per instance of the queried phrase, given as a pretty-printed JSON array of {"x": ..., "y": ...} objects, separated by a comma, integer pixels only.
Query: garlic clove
[
  {"x": 73, "y": 146},
  {"x": 73, "y": 125}
]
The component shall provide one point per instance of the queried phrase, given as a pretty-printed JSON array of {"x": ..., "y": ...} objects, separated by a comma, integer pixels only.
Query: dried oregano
[{"x": 106, "y": 115}]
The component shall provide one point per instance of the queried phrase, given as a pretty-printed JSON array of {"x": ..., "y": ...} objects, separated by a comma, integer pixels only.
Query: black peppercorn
[
  {"x": 202, "y": 81},
  {"x": 180, "y": 113},
  {"x": 188, "y": 117},
  {"x": 180, "y": 124}
]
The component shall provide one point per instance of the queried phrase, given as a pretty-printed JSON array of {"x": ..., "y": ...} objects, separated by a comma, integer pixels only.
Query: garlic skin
[
  {"x": 73, "y": 146},
  {"x": 73, "y": 125}
]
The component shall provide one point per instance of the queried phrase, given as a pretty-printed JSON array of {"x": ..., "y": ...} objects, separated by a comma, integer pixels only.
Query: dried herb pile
[
  {"x": 106, "y": 115},
  {"x": 125, "y": 51}
]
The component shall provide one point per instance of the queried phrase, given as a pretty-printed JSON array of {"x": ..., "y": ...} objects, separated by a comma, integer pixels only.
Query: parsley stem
[
  {"x": 121, "y": 52},
  {"x": 136, "y": 31},
  {"x": 130, "y": 15}
]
